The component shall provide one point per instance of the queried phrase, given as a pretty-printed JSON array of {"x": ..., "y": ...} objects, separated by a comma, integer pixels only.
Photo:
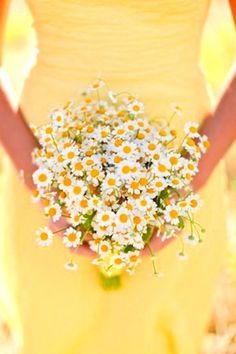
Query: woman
[{"x": 150, "y": 48}]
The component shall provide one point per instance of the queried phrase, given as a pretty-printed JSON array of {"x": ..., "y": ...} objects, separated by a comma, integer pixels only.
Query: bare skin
[{"x": 18, "y": 140}]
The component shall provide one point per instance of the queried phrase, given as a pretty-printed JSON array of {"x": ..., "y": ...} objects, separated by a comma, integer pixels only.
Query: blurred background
[{"x": 218, "y": 55}]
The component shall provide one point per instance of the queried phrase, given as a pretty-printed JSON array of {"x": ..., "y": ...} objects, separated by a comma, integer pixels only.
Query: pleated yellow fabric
[{"x": 147, "y": 47}]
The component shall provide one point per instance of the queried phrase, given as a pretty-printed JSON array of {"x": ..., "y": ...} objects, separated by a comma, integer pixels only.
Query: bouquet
[{"x": 116, "y": 178}]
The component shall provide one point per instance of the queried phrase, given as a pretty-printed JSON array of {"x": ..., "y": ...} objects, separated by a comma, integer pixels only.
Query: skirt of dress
[{"x": 54, "y": 311}]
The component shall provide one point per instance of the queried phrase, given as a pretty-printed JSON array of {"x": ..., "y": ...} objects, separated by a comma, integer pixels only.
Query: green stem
[{"x": 110, "y": 282}]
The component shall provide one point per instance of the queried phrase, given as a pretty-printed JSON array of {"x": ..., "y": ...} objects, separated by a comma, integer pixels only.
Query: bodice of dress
[{"x": 149, "y": 47}]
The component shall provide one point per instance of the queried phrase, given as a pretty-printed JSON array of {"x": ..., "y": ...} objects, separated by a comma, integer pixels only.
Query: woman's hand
[
  {"x": 62, "y": 224},
  {"x": 156, "y": 244},
  {"x": 220, "y": 128},
  {"x": 59, "y": 226}
]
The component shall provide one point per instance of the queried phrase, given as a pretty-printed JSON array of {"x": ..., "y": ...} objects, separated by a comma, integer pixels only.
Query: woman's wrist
[{"x": 220, "y": 128}]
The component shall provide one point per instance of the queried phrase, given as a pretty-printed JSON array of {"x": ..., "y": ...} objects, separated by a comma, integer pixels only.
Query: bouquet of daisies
[{"x": 115, "y": 177}]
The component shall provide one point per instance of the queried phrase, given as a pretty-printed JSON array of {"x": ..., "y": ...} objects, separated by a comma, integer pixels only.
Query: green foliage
[
  {"x": 129, "y": 248},
  {"x": 181, "y": 223},
  {"x": 88, "y": 221},
  {"x": 147, "y": 235},
  {"x": 110, "y": 283},
  {"x": 163, "y": 195}
]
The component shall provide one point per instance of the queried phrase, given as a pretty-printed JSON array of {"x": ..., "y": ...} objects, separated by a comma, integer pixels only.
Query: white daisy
[
  {"x": 118, "y": 261},
  {"x": 77, "y": 167},
  {"x": 77, "y": 189},
  {"x": 111, "y": 182},
  {"x": 44, "y": 236},
  {"x": 176, "y": 109},
  {"x": 42, "y": 177},
  {"x": 191, "y": 129},
  {"x": 204, "y": 143},
  {"x": 104, "y": 248},
  {"x": 71, "y": 237},
  {"x": 96, "y": 85},
  {"x": 194, "y": 202},
  {"x": 191, "y": 240},
  {"x": 162, "y": 168},
  {"x": 105, "y": 218},
  {"x": 58, "y": 118},
  {"x": 71, "y": 154},
  {"x": 182, "y": 256},
  {"x": 71, "y": 266},
  {"x": 136, "y": 107},
  {"x": 36, "y": 196},
  {"x": 53, "y": 211},
  {"x": 84, "y": 205},
  {"x": 128, "y": 150},
  {"x": 172, "y": 214}
]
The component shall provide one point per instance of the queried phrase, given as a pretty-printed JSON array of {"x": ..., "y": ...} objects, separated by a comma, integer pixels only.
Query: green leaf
[
  {"x": 181, "y": 223},
  {"x": 147, "y": 235},
  {"x": 88, "y": 221},
  {"x": 162, "y": 196},
  {"x": 129, "y": 248}
]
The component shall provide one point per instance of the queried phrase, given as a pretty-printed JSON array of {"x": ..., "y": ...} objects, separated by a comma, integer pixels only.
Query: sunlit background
[{"x": 218, "y": 57}]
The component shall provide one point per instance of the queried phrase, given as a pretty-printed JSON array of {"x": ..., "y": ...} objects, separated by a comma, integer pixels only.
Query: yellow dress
[{"x": 150, "y": 48}]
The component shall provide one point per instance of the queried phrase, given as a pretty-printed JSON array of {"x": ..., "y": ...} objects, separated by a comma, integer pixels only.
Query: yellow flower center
[
  {"x": 162, "y": 168},
  {"x": 71, "y": 237},
  {"x": 174, "y": 160},
  {"x": 173, "y": 214},
  {"x": 162, "y": 132},
  {"x": 193, "y": 130},
  {"x": 71, "y": 155},
  {"x": 94, "y": 173},
  {"x": 105, "y": 217},
  {"x": 67, "y": 182},
  {"x": 127, "y": 149},
  {"x": 123, "y": 218},
  {"x": 133, "y": 258},
  {"x": 42, "y": 177},
  {"x": 151, "y": 146},
  {"x": 135, "y": 185},
  {"x": 136, "y": 108},
  {"x": 194, "y": 203},
  {"x": 126, "y": 169},
  {"x": 52, "y": 212},
  {"x": 104, "y": 248},
  {"x": 137, "y": 220},
  {"x": 111, "y": 181},
  {"x": 78, "y": 166},
  {"x": 118, "y": 261},
  {"x": 44, "y": 236},
  {"x": 84, "y": 203},
  {"x": 49, "y": 130},
  {"x": 143, "y": 181},
  {"x": 77, "y": 190}
]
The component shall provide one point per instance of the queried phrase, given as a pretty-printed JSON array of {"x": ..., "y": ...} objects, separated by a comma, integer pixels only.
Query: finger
[
  {"x": 83, "y": 250},
  {"x": 156, "y": 244}
]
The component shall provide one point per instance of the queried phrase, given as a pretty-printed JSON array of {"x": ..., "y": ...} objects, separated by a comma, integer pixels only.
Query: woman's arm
[
  {"x": 220, "y": 128},
  {"x": 15, "y": 135},
  {"x": 17, "y": 139},
  {"x": 232, "y": 4},
  {"x": 4, "y": 5}
]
